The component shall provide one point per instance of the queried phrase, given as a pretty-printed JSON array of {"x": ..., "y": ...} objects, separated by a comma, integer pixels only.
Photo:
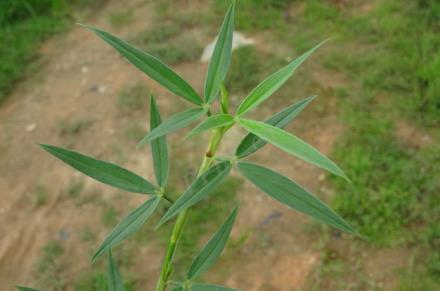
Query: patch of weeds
[
  {"x": 24, "y": 25},
  {"x": 49, "y": 266},
  {"x": 109, "y": 217},
  {"x": 134, "y": 131},
  {"x": 257, "y": 15},
  {"x": 75, "y": 188},
  {"x": 168, "y": 43},
  {"x": 71, "y": 127},
  {"x": 182, "y": 49},
  {"x": 86, "y": 234},
  {"x": 391, "y": 184},
  {"x": 249, "y": 59},
  {"x": 133, "y": 97},
  {"x": 41, "y": 195},
  {"x": 121, "y": 18},
  {"x": 97, "y": 280},
  {"x": 158, "y": 34}
]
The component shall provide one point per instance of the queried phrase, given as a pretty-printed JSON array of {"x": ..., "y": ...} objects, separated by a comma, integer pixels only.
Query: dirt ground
[{"x": 79, "y": 82}]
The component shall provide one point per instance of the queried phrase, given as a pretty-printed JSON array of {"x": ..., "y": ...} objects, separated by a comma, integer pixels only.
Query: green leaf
[
  {"x": 209, "y": 287},
  {"x": 105, "y": 172},
  {"x": 266, "y": 88},
  {"x": 114, "y": 277},
  {"x": 221, "y": 56},
  {"x": 22, "y": 288},
  {"x": 252, "y": 143},
  {"x": 174, "y": 123},
  {"x": 128, "y": 225},
  {"x": 291, "y": 144},
  {"x": 211, "y": 122},
  {"x": 198, "y": 190},
  {"x": 212, "y": 250},
  {"x": 151, "y": 66},
  {"x": 291, "y": 194},
  {"x": 158, "y": 146}
]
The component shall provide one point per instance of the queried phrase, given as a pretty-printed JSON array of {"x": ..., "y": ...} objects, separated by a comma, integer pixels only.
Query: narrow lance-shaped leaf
[
  {"x": 291, "y": 144},
  {"x": 210, "y": 287},
  {"x": 291, "y": 194},
  {"x": 151, "y": 66},
  {"x": 212, "y": 250},
  {"x": 128, "y": 226},
  {"x": 175, "y": 122},
  {"x": 221, "y": 56},
  {"x": 211, "y": 122},
  {"x": 105, "y": 172},
  {"x": 23, "y": 288},
  {"x": 158, "y": 146},
  {"x": 114, "y": 277},
  {"x": 272, "y": 83},
  {"x": 198, "y": 190},
  {"x": 252, "y": 143}
]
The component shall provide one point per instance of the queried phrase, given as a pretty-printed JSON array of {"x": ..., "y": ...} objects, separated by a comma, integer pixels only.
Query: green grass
[
  {"x": 170, "y": 43},
  {"x": 24, "y": 25},
  {"x": 73, "y": 126},
  {"x": 249, "y": 59},
  {"x": 49, "y": 266},
  {"x": 121, "y": 18},
  {"x": 133, "y": 97},
  {"x": 390, "y": 57}
]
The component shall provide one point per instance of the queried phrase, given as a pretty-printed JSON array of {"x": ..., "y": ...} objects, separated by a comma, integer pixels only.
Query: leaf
[
  {"x": 114, "y": 277},
  {"x": 198, "y": 190},
  {"x": 209, "y": 287},
  {"x": 291, "y": 194},
  {"x": 23, "y": 288},
  {"x": 128, "y": 226},
  {"x": 211, "y": 122},
  {"x": 151, "y": 66},
  {"x": 272, "y": 83},
  {"x": 221, "y": 56},
  {"x": 158, "y": 146},
  {"x": 105, "y": 172},
  {"x": 251, "y": 143},
  {"x": 291, "y": 144},
  {"x": 174, "y": 123},
  {"x": 212, "y": 250}
]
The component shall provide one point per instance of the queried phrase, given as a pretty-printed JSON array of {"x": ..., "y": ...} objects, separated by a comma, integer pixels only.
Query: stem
[{"x": 214, "y": 142}]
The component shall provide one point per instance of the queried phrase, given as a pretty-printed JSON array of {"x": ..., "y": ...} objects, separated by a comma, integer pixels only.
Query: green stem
[{"x": 214, "y": 142}]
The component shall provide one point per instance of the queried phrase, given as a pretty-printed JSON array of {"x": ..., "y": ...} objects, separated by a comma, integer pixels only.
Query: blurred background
[{"x": 377, "y": 116}]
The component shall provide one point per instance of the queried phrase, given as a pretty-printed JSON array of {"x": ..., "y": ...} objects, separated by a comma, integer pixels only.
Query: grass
[
  {"x": 133, "y": 97},
  {"x": 24, "y": 25},
  {"x": 390, "y": 56},
  {"x": 41, "y": 195},
  {"x": 75, "y": 188},
  {"x": 49, "y": 266},
  {"x": 73, "y": 126},
  {"x": 121, "y": 18},
  {"x": 249, "y": 59},
  {"x": 168, "y": 43}
]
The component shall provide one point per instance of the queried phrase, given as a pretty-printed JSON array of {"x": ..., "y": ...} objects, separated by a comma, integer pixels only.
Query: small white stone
[
  {"x": 84, "y": 69},
  {"x": 31, "y": 127},
  {"x": 102, "y": 89},
  {"x": 238, "y": 40}
]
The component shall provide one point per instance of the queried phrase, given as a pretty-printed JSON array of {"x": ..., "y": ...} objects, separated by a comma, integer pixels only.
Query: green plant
[{"x": 213, "y": 169}]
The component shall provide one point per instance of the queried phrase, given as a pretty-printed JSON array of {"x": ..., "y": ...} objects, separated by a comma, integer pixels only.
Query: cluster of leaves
[{"x": 277, "y": 186}]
